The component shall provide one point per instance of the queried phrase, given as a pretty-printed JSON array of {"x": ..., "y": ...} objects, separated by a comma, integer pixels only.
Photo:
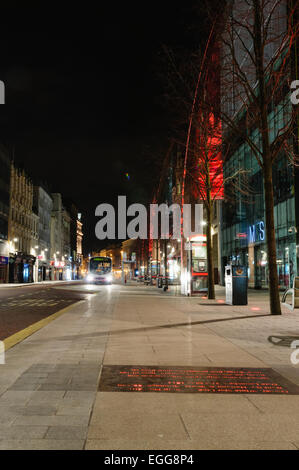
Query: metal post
[{"x": 165, "y": 265}]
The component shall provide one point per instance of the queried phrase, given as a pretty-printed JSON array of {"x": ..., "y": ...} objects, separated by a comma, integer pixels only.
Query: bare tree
[
  {"x": 258, "y": 38},
  {"x": 207, "y": 153},
  {"x": 194, "y": 90}
]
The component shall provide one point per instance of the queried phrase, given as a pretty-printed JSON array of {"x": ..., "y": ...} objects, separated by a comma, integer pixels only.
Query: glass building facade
[{"x": 244, "y": 224}]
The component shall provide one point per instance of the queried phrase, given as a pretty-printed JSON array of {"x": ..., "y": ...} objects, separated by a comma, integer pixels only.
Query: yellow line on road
[{"x": 21, "y": 335}]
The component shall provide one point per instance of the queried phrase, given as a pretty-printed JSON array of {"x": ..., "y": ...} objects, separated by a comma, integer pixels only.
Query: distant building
[
  {"x": 4, "y": 213},
  {"x": 55, "y": 236},
  {"x": 42, "y": 206},
  {"x": 79, "y": 238},
  {"x": 66, "y": 244},
  {"x": 113, "y": 251},
  {"x": 76, "y": 236},
  {"x": 22, "y": 228},
  {"x": 60, "y": 240}
]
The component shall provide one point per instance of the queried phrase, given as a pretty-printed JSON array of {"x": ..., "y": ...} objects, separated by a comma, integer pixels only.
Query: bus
[{"x": 100, "y": 270}]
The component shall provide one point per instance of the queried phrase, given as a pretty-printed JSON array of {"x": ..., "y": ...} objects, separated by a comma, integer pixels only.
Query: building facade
[
  {"x": 243, "y": 225},
  {"x": 60, "y": 239},
  {"x": 76, "y": 237},
  {"x": 66, "y": 245},
  {"x": 42, "y": 206},
  {"x": 4, "y": 213},
  {"x": 244, "y": 235},
  {"x": 56, "y": 238},
  {"x": 22, "y": 228},
  {"x": 40, "y": 239},
  {"x": 79, "y": 250}
]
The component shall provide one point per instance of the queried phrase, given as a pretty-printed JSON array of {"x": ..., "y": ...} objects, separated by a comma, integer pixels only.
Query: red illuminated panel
[
  {"x": 194, "y": 380},
  {"x": 209, "y": 144}
]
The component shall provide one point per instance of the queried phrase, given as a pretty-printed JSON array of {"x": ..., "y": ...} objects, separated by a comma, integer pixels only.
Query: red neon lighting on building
[{"x": 210, "y": 154}]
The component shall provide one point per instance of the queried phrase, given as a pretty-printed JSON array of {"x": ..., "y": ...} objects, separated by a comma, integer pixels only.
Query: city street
[
  {"x": 104, "y": 374},
  {"x": 149, "y": 229}
]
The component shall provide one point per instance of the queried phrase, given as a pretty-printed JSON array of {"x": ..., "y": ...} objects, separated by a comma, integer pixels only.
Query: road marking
[
  {"x": 34, "y": 302},
  {"x": 23, "y": 334}
]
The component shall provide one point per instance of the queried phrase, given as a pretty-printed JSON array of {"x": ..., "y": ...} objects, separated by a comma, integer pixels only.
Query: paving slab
[
  {"x": 221, "y": 444},
  {"x": 73, "y": 433},
  {"x": 109, "y": 424},
  {"x": 41, "y": 444}
]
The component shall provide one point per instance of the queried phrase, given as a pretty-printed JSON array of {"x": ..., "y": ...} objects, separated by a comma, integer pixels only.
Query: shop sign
[
  {"x": 3, "y": 260},
  {"x": 257, "y": 232},
  {"x": 241, "y": 235},
  {"x": 59, "y": 264}
]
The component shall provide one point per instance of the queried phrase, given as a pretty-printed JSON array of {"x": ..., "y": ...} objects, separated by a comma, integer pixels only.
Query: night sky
[{"x": 84, "y": 94}]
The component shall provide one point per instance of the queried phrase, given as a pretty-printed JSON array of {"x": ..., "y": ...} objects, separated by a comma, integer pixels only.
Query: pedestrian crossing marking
[{"x": 34, "y": 302}]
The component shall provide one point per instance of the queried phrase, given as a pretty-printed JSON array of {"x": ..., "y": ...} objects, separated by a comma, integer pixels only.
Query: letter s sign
[
  {"x": 262, "y": 231},
  {"x": 295, "y": 354},
  {"x": 295, "y": 94}
]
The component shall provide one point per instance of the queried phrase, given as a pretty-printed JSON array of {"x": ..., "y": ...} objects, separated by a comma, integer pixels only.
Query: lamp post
[{"x": 165, "y": 265}]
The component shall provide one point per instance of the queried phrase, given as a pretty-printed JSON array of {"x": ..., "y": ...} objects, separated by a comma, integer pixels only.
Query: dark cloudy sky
[{"x": 84, "y": 102}]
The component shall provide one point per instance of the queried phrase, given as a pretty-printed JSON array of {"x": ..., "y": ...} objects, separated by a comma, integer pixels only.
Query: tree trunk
[
  {"x": 211, "y": 282},
  {"x": 275, "y": 308}
]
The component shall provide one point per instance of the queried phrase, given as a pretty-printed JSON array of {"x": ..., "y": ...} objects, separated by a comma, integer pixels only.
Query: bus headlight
[{"x": 109, "y": 278}]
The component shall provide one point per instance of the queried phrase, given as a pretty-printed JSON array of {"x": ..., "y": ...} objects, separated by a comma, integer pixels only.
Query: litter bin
[
  {"x": 159, "y": 281},
  {"x": 236, "y": 285}
]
